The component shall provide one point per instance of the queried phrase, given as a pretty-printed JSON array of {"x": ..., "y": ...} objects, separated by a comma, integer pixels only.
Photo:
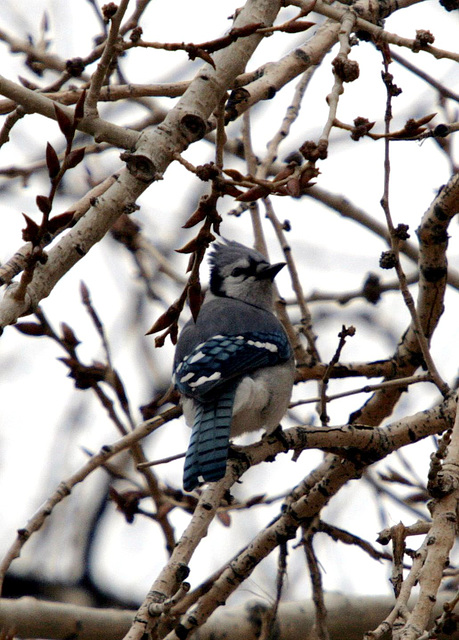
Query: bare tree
[{"x": 262, "y": 136}]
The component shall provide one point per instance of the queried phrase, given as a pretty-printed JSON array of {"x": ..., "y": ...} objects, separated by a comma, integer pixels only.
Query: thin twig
[
  {"x": 302, "y": 356},
  {"x": 343, "y": 334},
  {"x": 220, "y": 133},
  {"x": 268, "y": 624},
  {"x": 153, "y": 463},
  {"x": 9, "y": 123},
  {"x": 252, "y": 163},
  {"x": 340, "y": 535},
  {"x": 290, "y": 117},
  {"x": 99, "y": 76},
  {"x": 320, "y": 622},
  {"x": 347, "y": 23},
  {"x": 368, "y": 388},
  {"x": 441, "y": 88}
]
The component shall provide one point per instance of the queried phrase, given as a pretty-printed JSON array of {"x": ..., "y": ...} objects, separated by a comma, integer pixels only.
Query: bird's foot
[
  {"x": 279, "y": 435},
  {"x": 237, "y": 453}
]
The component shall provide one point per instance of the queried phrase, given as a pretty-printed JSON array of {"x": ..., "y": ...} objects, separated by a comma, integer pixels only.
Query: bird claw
[
  {"x": 279, "y": 435},
  {"x": 237, "y": 453}
]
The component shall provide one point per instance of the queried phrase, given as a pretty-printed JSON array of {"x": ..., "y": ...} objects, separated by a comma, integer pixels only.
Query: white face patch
[
  {"x": 269, "y": 346},
  {"x": 203, "y": 379}
]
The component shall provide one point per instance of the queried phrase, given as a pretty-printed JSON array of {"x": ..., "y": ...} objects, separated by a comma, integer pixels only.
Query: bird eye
[{"x": 237, "y": 271}]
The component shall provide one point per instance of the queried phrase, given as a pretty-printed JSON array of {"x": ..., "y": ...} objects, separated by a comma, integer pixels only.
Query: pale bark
[{"x": 349, "y": 618}]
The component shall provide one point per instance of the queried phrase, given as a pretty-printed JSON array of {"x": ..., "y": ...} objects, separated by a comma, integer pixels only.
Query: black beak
[{"x": 270, "y": 271}]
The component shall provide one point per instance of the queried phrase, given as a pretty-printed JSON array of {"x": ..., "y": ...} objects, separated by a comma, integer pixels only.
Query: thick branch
[
  {"x": 348, "y": 618},
  {"x": 439, "y": 540},
  {"x": 101, "y": 130}
]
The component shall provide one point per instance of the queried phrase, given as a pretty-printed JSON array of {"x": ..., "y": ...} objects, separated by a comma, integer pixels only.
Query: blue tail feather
[{"x": 208, "y": 449}]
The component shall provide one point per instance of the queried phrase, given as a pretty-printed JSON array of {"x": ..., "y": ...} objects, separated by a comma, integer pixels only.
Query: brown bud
[
  {"x": 198, "y": 52},
  {"x": 195, "y": 299},
  {"x": 309, "y": 151},
  {"x": 173, "y": 332},
  {"x": 361, "y": 127},
  {"x": 254, "y": 193},
  {"x": 165, "y": 320},
  {"x": 307, "y": 174},
  {"x": 371, "y": 290},
  {"x": 224, "y": 518},
  {"x": 401, "y": 232},
  {"x": 109, "y": 10},
  {"x": 296, "y": 26},
  {"x": 285, "y": 172},
  {"x": 136, "y": 34},
  {"x": 127, "y": 502},
  {"x": 230, "y": 190},
  {"x": 52, "y": 161},
  {"x": 30, "y": 328},
  {"x": 30, "y": 233},
  {"x": 195, "y": 218},
  {"x": 422, "y": 40},
  {"x": 85, "y": 376},
  {"x": 293, "y": 187},
  {"x": 79, "y": 107},
  {"x": 207, "y": 171},
  {"x": 160, "y": 340},
  {"x": 392, "y": 88},
  {"x": 190, "y": 247},
  {"x": 347, "y": 70},
  {"x": 246, "y": 30},
  {"x": 44, "y": 204},
  {"x": 74, "y": 158},
  {"x": 64, "y": 122},
  {"x": 234, "y": 174},
  {"x": 120, "y": 391},
  {"x": 68, "y": 336},
  {"x": 75, "y": 67},
  {"x": 387, "y": 260}
]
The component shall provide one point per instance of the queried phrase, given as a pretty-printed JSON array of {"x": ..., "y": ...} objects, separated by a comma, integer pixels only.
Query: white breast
[{"x": 262, "y": 399}]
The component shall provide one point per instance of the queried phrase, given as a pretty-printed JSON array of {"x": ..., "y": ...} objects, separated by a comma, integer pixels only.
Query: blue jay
[{"x": 234, "y": 366}]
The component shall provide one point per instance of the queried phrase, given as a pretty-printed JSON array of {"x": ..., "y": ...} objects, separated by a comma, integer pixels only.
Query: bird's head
[{"x": 242, "y": 273}]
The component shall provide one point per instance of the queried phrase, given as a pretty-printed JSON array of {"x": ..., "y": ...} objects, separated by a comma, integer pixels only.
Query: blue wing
[{"x": 224, "y": 357}]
